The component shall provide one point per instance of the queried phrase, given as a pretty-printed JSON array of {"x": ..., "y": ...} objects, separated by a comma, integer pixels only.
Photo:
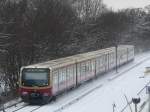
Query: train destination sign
[{"x": 35, "y": 69}]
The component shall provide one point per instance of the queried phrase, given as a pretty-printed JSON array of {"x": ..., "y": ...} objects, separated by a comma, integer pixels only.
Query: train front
[{"x": 35, "y": 85}]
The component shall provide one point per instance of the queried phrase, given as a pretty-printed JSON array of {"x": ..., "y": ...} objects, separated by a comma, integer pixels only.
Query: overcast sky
[{"x": 120, "y": 4}]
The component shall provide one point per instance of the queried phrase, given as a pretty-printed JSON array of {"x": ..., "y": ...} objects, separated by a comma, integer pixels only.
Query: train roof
[{"x": 57, "y": 63}]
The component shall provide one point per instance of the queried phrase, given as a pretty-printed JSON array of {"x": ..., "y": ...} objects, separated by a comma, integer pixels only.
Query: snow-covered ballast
[{"x": 44, "y": 81}]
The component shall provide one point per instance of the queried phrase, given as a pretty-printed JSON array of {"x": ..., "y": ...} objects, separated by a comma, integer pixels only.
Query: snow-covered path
[{"x": 99, "y": 95}]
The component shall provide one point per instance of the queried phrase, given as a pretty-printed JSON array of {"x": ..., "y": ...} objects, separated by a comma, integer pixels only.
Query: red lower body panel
[{"x": 35, "y": 94}]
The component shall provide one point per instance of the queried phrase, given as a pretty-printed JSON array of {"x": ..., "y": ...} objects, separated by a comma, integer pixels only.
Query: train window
[
  {"x": 35, "y": 77},
  {"x": 60, "y": 76},
  {"x": 93, "y": 64},
  {"x": 112, "y": 58},
  {"x": 74, "y": 71},
  {"x": 55, "y": 76},
  {"x": 63, "y": 74},
  {"x": 99, "y": 62},
  {"x": 78, "y": 68},
  {"x": 69, "y": 72},
  {"x": 103, "y": 60},
  {"x": 88, "y": 66},
  {"x": 83, "y": 67}
]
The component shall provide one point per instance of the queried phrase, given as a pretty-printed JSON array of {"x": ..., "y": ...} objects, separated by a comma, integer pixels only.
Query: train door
[
  {"x": 89, "y": 74},
  {"x": 118, "y": 57},
  {"x": 83, "y": 71},
  {"x": 97, "y": 64},
  {"x": 90, "y": 69},
  {"x": 106, "y": 62},
  {"x": 79, "y": 72},
  {"x": 62, "y": 79},
  {"x": 130, "y": 53},
  {"x": 108, "y": 59},
  {"x": 55, "y": 82},
  {"x": 93, "y": 67},
  {"x": 103, "y": 64},
  {"x": 100, "y": 68},
  {"x": 70, "y": 76},
  {"x": 111, "y": 60},
  {"x": 74, "y": 75}
]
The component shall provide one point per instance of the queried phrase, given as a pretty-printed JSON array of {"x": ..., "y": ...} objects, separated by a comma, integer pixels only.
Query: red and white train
[{"x": 44, "y": 81}]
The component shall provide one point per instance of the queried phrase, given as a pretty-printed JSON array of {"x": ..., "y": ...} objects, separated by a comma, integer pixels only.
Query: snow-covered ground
[{"x": 100, "y": 94}]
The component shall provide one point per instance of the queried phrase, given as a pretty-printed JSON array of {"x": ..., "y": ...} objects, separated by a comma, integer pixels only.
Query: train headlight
[{"x": 24, "y": 93}]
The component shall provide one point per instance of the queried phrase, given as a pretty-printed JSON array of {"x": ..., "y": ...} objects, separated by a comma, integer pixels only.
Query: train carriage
[{"x": 44, "y": 81}]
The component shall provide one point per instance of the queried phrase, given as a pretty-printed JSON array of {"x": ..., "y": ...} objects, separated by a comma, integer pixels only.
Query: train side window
[
  {"x": 74, "y": 71},
  {"x": 60, "y": 75},
  {"x": 78, "y": 68},
  {"x": 103, "y": 60},
  {"x": 67, "y": 73},
  {"x": 99, "y": 61},
  {"x": 93, "y": 64},
  {"x": 55, "y": 76},
  {"x": 70, "y": 72},
  {"x": 64, "y": 74},
  {"x": 88, "y": 66},
  {"x": 112, "y": 58},
  {"x": 83, "y": 67}
]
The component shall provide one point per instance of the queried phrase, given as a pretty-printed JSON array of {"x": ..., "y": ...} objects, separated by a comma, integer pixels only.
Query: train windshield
[{"x": 35, "y": 77}]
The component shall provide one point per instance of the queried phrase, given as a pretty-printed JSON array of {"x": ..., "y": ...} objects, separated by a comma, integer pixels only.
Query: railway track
[
  {"x": 13, "y": 105},
  {"x": 28, "y": 108},
  {"x": 34, "y": 108},
  {"x": 20, "y": 108}
]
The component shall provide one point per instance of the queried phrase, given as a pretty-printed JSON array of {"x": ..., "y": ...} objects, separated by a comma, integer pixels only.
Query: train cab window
[{"x": 35, "y": 77}]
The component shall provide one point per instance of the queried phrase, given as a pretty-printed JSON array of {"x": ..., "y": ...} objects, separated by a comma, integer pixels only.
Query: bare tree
[
  {"x": 37, "y": 32},
  {"x": 89, "y": 8}
]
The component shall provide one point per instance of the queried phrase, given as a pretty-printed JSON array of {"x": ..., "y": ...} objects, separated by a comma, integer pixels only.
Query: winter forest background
[{"x": 33, "y": 31}]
